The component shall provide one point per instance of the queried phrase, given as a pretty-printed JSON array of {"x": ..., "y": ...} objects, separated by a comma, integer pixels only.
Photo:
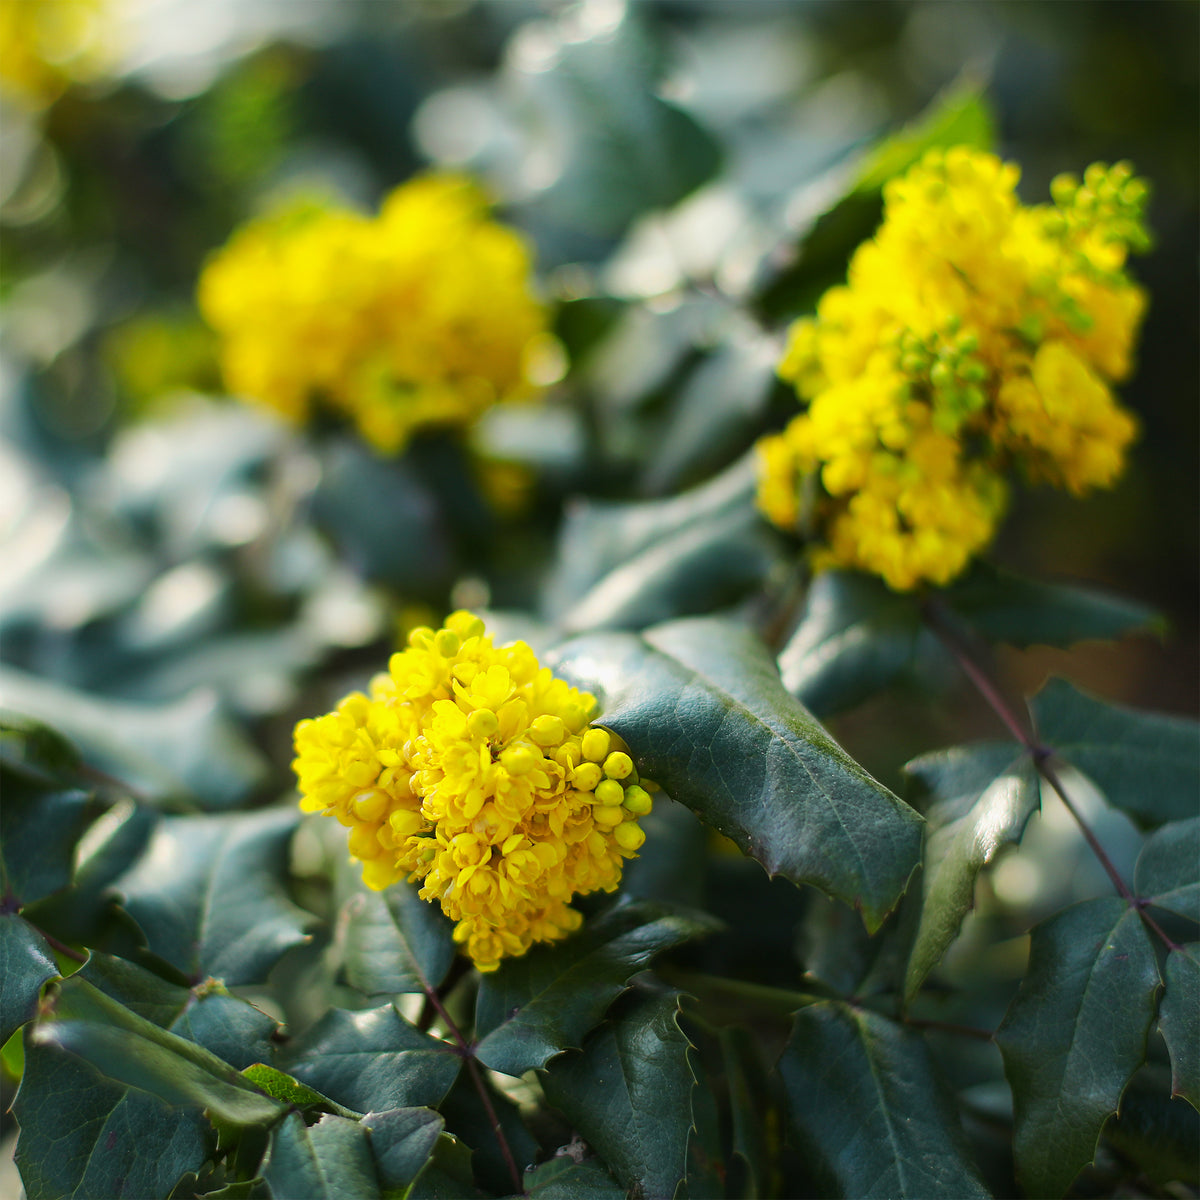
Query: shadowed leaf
[
  {"x": 330, "y": 1160},
  {"x": 25, "y": 964},
  {"x": 1168, "y": 869},
  {"x": 1179, "y": 1021}
]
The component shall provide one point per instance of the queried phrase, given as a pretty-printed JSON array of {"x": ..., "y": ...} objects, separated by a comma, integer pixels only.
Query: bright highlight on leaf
[
  {"x": 473, "y": 769},
  {"x": 974, "y": 335}
]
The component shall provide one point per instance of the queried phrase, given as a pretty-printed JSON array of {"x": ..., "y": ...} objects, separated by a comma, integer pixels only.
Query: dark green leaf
[
  {"x": 1024, "y": 612},
  {"x": 373, "y": 1060},
  {"x": 35, "y": 747},
  {"x": 985, "y": 796},
  {"x": 448, "y": 1174},
  {"x": 84, "y": 1137},
  {"x": 1179, "y": 1021},
  {"x": 1074, "y": 1034},
  {"x": 233, "y": 1029},
  {"x": 1168, "y": 868},
  {"x": 547, "y": 1000},
  {"x": 1145, "y": 763},
  {"x": 402, "y": 1141},
  {"x": 25, "y": 964},
  {"x": 188, "y": 749},
  {"x": 628, "y": 1093},
  {"x": 1157, "y": 1132},
  {"x": 39, "y": 827},
  {"x": 465, "y": 1113},
  {"x": 133, "y": 1051},
  {"x": 703, "y": 710},
  {"x": 148, "y": 995},
  {"x": 671, "y": 864},
  {"x": 871, "y": 1109},
  {"x": 749, "y": 1100},
  {"x": 210, "y": 894},
  {"x": 856, "y": 636},
  {"x": 393, "y": 941},
  {"x": 330, "y": 1160},
  {"x": 563, "y": 1178}
]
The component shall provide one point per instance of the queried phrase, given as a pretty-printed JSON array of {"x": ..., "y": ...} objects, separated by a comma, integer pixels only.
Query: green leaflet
[
  {"x": 1074, "y": 1034},
  {"x": 1146, "y": 764},
  {"x": 985, "y": 795},
  {"x": 547, "y": 1000},
  {"x": 330, "y": 1160},
  {"x": 872, "y": 1110},
  {"x": 1168, "y": 868},
  {"x": 628, "y": 1093},
  {"x": 1179, "y": 1021},
  {"x": 701, "y": 706},
  {"x": 25, "y": 964}
]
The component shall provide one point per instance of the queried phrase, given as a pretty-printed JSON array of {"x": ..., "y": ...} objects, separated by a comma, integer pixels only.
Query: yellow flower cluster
[
  {"x": 974, "y": 336},
  {"x": 473, "y": 769},
  {"x": 45, "y": 44},
  {"x": 418, "y": 317}
]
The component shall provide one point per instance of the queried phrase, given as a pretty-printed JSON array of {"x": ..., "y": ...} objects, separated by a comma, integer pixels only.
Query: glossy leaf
[
  {"x": 871, "y": 1109},
  {"x": 1146, "y": 764},
  {"x": 1074, "y": 1034},
  {"x": 703, "y": 710},
  {"x": 187, "y": 749},
  {"x": 330, "y": 1160},
  {"x": 210, "y": 894},
  {"x": 985, "y": 795},
  {"x": 1168, "y": 868},
  {"x": 133, "y": 1051},
  {"x": 537, "y": 1005},
  {"x": 25, "y": 964},
  {"x": 856, "y": 637},
  {"x": 232, "y": 1028},
  {"x": 373, "y": 1060},
  {"x": 1179, "y": 1021},
  {"x": 1003, "y": 607},
  {"x": 83, "y": 1136},
  {"x": 39, "y": 828},
  {"x": 393, "y": 941},
  {"x": 402, "y": 1142},
  {"x": 628, "y": 1093}
]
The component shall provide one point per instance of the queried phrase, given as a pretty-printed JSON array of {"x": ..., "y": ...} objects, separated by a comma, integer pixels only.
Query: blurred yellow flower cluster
[
  {"x": 418, "y": 317},
  {"x": 473, "y": 769},
  {"x": 974, "y": 336},
  {"x": 46, "y": 44}
]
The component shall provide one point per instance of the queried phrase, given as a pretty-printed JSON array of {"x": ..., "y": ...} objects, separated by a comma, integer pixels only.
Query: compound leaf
[
  {"x": 1168, "y": 868},
  {"x": 547, "y": 1000},
  {"x": 373, "y": 1060},
  {"x": 1074, "y": 1035},
  {"x": 210, "y": 894},
  {"x": 628, "y": 1093},
  {"x": 1179, "y": 1021},
  {"x": 1147, "y": 764},
  {"x": 871, "y": 1109},
  {"x": 702, "y": 707},
  {"x": 985, "y": 797}
]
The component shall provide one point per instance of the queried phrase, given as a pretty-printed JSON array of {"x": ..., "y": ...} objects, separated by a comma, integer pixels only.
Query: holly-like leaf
[
  {"x": 188, "y": 749},
  {"x": 701, "y": 705},
  {"x": 39, "y": 827},
  {"x": 131, "y": 1050},
  {"x": 25, "y": 964},
  {"x": 402, "y": 1141},
  {"x": 547, "y": 1000},
  {"x": 628, "y": 1093},
  {"x": 83, "y": 1136},
  {"x": 448, "y": 1175},
  {"x": 330, "y": 1160},
  {"x": 1003, "y": 607},
  {"x": 1168, "y": 868},
  {"x": 1146, "y": 764},
  {"x": 373, "y": 1060},
  {"x": 1074, "y": 1034},
  {"x": 871, "y": 1109},
  {"x": 985, "y": 797},
  {"x": 856, "y": 636},
  {"x": 394, "y": 942},
  {"x": 749, "y": 1103},
  {"x": 1179, "y": 1021},
  {"x": 629, "y": 565},
  {"x": 210, "y": 894},
  {"x": 233, "y": 1029},
  {"x": 562, "y": 1178}
]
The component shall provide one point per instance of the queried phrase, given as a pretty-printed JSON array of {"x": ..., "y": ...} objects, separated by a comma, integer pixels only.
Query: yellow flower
[
  {"x": 422, "y": 316},
  {"x": 973, "y": 334},
  {"x": 46, "y": 44},
  {"x": 471, "y": 768}
]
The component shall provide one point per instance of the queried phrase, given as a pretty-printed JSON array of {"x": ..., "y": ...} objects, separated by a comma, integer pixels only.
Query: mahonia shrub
[
  {"x": 473, "y": 769},
  {"x": 975, "y": 338},
  {"x": 423, "y": 316}
]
